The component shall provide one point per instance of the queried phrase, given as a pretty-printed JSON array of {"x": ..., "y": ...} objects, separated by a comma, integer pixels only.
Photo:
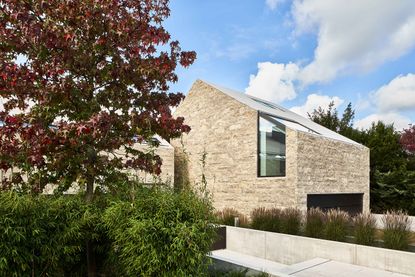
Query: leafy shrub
[
  {"x": 396, "y": 233},
  {"x": 41, "y": 236},
  {"x": 166, "y": 233},
  {"x": 266, "y": 219},
  {"x": 364, "y": 227},
  {"x": 336, "y": 225},
  {"x": 161, "y": 233},
  {"x": 227, "y": 217},
  {"x": 291, "y": 221},
  {"x": 314, "y": 226}
]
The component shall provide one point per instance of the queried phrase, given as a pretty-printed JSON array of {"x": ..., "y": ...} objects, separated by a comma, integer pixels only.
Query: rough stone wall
[
  {"x": 330, "y": 166},
  {"x": 166, "y": 154},
  {"x": 226, "y": 130}
]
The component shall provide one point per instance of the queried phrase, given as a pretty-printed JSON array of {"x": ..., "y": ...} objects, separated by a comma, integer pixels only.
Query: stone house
[
  {"x": 164, "y": 150},
  {"x": 260, "y": 154}
]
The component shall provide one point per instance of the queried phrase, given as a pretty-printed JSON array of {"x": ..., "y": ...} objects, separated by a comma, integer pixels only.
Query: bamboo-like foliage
[
  {"x": 161, "y": 233},
  {"x": 44, "y": 235},
  {"x": 155, "y": 232}
]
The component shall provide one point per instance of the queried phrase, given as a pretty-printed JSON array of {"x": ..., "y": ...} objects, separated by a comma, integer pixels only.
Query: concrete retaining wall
[
  {"x": 288, "y": 249},
  {"x": 380, "y": 224}
]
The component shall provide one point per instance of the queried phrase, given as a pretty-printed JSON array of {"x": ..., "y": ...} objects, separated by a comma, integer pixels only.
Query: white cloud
[
  {"x": 357, "y": 35},
  {"x": 314, "y": 101},
  {"x": 398, "y": 94},
  {"x": 362, "y": 103},
  {"x": 389, "y": 101},
  {"x": 399, "y": 121},
  {"x": 273, "y": 4},
  {"x": 273, "y": 82}
]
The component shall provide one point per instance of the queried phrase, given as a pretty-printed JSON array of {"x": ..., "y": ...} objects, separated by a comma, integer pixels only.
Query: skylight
[{"x": 268, "y": 104}]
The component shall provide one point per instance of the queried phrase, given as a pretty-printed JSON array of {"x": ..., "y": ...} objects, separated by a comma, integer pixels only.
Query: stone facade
[
  {"x": 165, "y": 151},
  {"x": 226, "y": 131},
  {"x": 330, "y": 166}
]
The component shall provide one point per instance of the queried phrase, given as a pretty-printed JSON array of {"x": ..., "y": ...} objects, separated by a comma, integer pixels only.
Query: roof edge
[{"x": 279, "y": 111}]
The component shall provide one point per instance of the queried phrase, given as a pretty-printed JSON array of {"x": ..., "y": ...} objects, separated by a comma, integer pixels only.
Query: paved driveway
[
  {"x": 317, "y": 267},
  {"x": 338, "y": 269}
]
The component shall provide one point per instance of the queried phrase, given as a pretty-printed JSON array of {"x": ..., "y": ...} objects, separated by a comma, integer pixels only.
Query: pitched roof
[{"x": 290, "y": 119}]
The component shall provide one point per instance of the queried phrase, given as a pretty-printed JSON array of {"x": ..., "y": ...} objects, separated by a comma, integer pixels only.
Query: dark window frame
[{"x": 258, "y": 148}]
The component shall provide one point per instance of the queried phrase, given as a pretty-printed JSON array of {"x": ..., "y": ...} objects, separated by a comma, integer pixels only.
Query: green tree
[
  {"x": 391, "y": 180},
  {"x": 386, "y": 153},
  {"x": 330, "y": 119}
]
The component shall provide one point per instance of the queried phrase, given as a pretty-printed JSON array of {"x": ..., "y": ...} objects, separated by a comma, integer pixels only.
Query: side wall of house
[
  {"x": 226, "y": 131},
  {"x": 330, "y": 166},
  {"x": 166, "y": 154}
]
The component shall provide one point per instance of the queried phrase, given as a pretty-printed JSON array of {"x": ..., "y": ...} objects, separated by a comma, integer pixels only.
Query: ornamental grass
[
  {"x": 266, "y": 219},
  {"x": 336, "y": 225},
  {"x": 314, "y": 224},
  {"x": 396, "y": 233},
  {"x": 364, "y": 229},
  {"x": 227, "y": 217}
]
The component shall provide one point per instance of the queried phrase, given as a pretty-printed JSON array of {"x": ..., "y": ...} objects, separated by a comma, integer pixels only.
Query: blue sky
[{"x": 305, "y": 53}]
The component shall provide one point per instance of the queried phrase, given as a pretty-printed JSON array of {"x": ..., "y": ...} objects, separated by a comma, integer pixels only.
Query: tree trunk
[
  {"x": 89, "y": 196},
  {"x": 90, "y": 259},
  {"x": 90, "y": 256}
]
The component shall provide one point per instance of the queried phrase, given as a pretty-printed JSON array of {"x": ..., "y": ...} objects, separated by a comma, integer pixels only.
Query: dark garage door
[{"x": 348, "y": 202}]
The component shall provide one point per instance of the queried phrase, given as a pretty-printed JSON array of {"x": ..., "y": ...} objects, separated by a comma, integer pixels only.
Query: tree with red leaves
[
  {"x": 79, "y": 80},
  {"x": 407, "y": 140}
]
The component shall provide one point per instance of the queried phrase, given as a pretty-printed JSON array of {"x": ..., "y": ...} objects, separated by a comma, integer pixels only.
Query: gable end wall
[
  {"x": 227, "y": 130},
  {"x": 331, "y": 166}
]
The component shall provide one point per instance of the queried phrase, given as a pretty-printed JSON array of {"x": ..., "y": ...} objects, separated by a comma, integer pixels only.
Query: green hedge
[
  {"x": 159, "y": 233},
  {"x": 40, "y": 236}
]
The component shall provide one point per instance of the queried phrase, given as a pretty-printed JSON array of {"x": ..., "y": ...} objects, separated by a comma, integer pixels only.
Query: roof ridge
[{"x": 281, "y": 112}]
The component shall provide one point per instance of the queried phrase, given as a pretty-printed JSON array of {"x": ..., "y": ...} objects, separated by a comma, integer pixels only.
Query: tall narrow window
[{"x": 271, "y": 147}]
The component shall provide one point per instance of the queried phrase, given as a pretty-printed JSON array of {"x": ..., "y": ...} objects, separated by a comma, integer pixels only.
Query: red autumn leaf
[
  {"x": 11, "y": 120},
  {"x": 407, "y": 139},
  {"x": 82, "y": 129},
  {"x": 67, "y": 37}
]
